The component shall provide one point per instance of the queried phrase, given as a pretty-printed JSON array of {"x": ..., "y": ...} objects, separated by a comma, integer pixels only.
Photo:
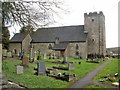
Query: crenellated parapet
[{"x": 93, "y": 14}]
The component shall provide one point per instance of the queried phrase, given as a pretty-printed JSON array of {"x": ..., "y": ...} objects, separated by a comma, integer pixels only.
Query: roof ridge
[{"x": 60, "y": 27}]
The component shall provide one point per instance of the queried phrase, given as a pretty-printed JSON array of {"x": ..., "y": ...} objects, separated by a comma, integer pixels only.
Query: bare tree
[{"x": 30, "y": 12}]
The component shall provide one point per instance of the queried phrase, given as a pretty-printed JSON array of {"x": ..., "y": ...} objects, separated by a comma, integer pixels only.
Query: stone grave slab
[{"x": 19, "y": 69}]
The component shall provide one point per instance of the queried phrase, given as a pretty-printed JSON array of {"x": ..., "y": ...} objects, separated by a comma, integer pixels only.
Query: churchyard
[
  {"x": 109, "y": 74},
  {"x": 46, "y": 71}
]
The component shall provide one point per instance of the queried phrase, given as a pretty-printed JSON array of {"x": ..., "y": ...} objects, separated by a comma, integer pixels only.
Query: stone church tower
[{"x": 94, "y": 24}]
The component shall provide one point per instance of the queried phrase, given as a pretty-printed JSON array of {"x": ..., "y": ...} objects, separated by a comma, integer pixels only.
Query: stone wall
[
  {"x": 26, "y": 44},
  {"x": 70, "y": 51},
  {"x": 81, "y": 50},
  {"x": 16, "y": 46},
  {"x": 43, "y": 47}
]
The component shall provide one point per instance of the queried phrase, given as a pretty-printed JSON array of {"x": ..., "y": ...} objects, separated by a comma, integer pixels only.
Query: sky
[{"x": 75, "y": 16}]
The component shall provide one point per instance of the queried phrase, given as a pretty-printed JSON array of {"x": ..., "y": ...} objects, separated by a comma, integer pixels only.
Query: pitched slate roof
[
  {"x": 60, "y": 46},
  {"x": 18, "y": 37},
  {"x": 65, "y": 34}
]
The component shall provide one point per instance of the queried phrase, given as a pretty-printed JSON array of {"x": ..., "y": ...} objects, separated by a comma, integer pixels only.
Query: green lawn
[
  {"x": 95, "y": 86},
  {"x": 111, "y": 68},
  {"x": 32, "y": 81}
]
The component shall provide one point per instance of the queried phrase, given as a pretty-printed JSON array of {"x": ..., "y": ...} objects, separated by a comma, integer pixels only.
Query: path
[{"x": 87, "y": 80}]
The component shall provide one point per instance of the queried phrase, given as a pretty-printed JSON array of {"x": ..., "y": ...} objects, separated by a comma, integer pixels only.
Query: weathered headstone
[
  {"x": 71, "y": 66},
  {"x": 65, "y": 59},
  {"x": 21, "y": 55},
  {"x": 41, "y": 68},
  {"x": 45, "y": 56},
  {"x": 58, "y": 57},
  {"x": 19, "y": 69},
  {"x": 31, "y": 54},
  {"x": 25, "y": 61}
]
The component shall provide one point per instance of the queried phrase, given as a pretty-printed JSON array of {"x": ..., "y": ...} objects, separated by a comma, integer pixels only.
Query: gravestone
[
  {"x": 21, "y": 55},
  {"x": 31, "y": 54},
  {"x": 71, "y": 66},
  {"x": 25, "y": 61},
  {"x": 41, "y": 68},
  {"x": 58, "y": 57},
  {"x": 45, "y": 56},
  {"x": 19, "y": 69},
  {"x": 9, "y": 54},
  {"x": 65, "y": 59},
  {"x": 54, "y": 56}
]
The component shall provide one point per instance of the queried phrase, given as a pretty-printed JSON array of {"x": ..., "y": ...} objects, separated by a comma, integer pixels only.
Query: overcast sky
[{"x": 77, "y": 9}]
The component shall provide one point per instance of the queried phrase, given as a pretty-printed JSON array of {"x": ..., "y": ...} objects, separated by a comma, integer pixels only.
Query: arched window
[
  {"x": 77, "y": 53},
  {"x": 77, "y": 47},
  {"x": 50, "y": 46}
]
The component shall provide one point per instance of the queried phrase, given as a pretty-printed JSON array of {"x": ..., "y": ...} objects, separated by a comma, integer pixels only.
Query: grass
[
  {"x": 95, "y": 86},
  {"x": 32, "y": 81},
  {"x": 111, "y": 68}
]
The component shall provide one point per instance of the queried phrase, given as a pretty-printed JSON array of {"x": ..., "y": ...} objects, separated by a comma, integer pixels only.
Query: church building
[{"x": 72, "y": 41}]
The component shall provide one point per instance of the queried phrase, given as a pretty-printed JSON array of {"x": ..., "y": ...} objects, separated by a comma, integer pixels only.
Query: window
[
  {"x": 77, "y": 53},
  {"x": 92, "y": 20},
  {"x": 93, "y": 40},
  {"x": 50, "y": 46},
  {"x": 77, "y": 47}
]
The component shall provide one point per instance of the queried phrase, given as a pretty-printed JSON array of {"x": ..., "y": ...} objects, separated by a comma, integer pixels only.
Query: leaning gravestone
[
  {"x": 45, "y": 56},
  {"x": 71, "y": 66},
  {"x": 19, "y": 69},
  {"x": 41, "y": 68}
]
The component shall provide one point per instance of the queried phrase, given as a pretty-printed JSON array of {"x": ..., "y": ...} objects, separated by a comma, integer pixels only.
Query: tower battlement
[{"x": 93, "y": 13}]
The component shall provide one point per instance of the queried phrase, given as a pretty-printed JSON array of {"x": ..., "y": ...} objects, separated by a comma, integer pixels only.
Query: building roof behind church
[
  {"x": 65, "y": 34},
  {"x": 18, "y": 37}
]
